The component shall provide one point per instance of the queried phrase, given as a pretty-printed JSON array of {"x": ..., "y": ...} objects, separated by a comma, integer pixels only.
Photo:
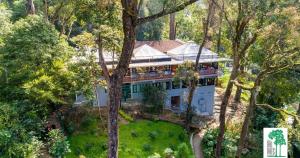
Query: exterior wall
[{"x": 102, "y": 96}]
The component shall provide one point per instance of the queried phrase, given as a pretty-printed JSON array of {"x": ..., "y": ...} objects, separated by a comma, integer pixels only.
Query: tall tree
[
  {"x": 172, "y": 25},
  {"x": 244, "y": 13},
  {"x": 279, "y": 50},
  {"x": 114, "y": 80},
  {"x": 193, "y": 82}
]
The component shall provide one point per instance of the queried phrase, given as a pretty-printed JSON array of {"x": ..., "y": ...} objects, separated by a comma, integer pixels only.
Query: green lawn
[{"x": 137, "y": 139}]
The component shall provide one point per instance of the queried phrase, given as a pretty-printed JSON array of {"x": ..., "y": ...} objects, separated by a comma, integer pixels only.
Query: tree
[
  {"x": 36, "y": 64},
  {"x": 274, "y": 57},
  {"x": 114, "y": 80},
  {"x": 279, "y": 140},
  {"x": 242, "y": 37},
  {"x": 194, "y": 79}
]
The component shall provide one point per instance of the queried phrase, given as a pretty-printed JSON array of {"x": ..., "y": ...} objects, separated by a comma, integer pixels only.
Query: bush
[
  {"x": 182, "y": 151},
  {"x": 171, "y": 134},
  {"x": 58, "y": 144},
  {"x": 181, "y": 137},
  {"x": 154, "y": 97},
  {"x": 152, "y": 135},
  {"x": 229, "y": 144},
  {"x": 103, "y": 146},
  {"x": 155, "y": 155},
  {"x": 147, "y": 147},
  {"x": 125, "y": 116},
  {"x": 168, "y": 153},
  {"x": 134, "y": 134}
]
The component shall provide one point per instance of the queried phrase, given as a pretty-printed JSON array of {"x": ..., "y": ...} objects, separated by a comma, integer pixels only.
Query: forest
[{"x": 53, "y": 55}]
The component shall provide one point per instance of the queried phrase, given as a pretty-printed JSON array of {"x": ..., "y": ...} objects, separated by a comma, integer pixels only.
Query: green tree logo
[{"x": 279, "y": 141}]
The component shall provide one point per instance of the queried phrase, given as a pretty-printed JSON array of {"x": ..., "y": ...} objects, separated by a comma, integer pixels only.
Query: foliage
[
  {"x": 229, "y": 144},
  {"x": 168, "y": 153},
  {"x": 154, "y": 98},
  {"x": 182, "y": 151},
  {"x": 152, "y": 135},
  {"x": 20, "y": 127},
  {"x": 155, "y": 155},
  {"x": 125, "y": 116},
  {"x": 58, "y": 144},
  {"x": 151, "y": 30},
  {"x": 36, "y": 63}
]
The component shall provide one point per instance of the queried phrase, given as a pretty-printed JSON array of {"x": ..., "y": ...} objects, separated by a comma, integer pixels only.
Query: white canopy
[
  {"x": 189, "y": 51},
  {"x": 147, "y": 52}
]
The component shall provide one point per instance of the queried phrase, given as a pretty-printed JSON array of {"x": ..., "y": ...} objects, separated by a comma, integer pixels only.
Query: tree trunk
[
  {"x": 295, "y": 120},
  {"x": 194, "y": 82},
  {"x": 116, "y": 79},
  {"x": 249, "y": 113},
  {"x": 30, "y": 7},
  {"x": 188, "y": 115},
  {"x": 46, "y": 9},
  {"x": 224, "y": 104},
  {"x": 172, "y": 33},
  {"x": 113, "y": 108},
  {"x": 237, "y": 97}
]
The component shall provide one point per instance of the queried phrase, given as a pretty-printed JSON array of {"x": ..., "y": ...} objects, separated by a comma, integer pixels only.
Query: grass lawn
[{"x": 138, "y": 139}]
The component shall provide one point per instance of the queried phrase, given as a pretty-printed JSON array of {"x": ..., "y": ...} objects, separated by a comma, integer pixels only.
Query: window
[
  {"x": 142, "y": 87},
  {"x": 184, "y": 84},
  {"x": 168, "y": 85},
  {"x": 210, "y": 81},
  {"x": 134, "y": 89},
  {"x": 175, "y": 85},
  {"x": 203, "y": 81}
]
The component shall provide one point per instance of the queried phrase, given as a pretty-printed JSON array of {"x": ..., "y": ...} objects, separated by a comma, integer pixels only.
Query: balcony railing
[
  {"x": 155, "y": 75},
  {"x": 148, "y": 76},
  {"x": 209, "y": 71}
]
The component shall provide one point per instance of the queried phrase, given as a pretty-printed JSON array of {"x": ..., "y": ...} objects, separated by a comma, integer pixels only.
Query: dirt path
[{"x": 197, "y": 139}]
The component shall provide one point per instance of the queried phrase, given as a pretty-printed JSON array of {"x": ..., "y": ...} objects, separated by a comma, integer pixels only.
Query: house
[{"x": 155, "y": 62}]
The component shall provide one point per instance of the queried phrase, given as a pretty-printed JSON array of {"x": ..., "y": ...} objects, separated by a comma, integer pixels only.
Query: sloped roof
[
  {"x": 190, "y": 50},
  {"x": 163, "y": 45},
  {"x": 147, "y": 52}
]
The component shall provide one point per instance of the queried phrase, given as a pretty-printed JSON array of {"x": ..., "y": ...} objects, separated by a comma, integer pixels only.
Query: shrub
[
  {"x": 58, "y": 144},
  {"x": 134, "y": 134},
  {"x": 103, "y": 146},
  {"x": 77, "y": 151},
  {"x": 155, "y": 155},
  {"x": 88, "y": 146},
  {"x": 182, "y": 151},
  {"x": 171, "y": 134},
  {"x": 168, "y": 153},
  {"x": 181, "y": 137},
  {"x": 147, "y": 147},
  {"x": 172, "y": 146},
  {"x": 152, "y": 135},
  {"x": 125, "y": 116},
  {"x": 154, "y": 97}
]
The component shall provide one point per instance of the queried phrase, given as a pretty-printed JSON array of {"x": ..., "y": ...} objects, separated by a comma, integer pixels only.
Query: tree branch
[
  {"x": 101, "y": 59},
  {"x": 236, "y": 83},
  {"x": 248, "y": 43},
  {"x": 164, "y": 12},
  {"x": 224, "y": 12},
  {"x": 279, "y": 110}
]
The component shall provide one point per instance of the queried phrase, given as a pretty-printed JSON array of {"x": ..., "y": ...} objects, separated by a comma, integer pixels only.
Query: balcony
[
  {"x": 209, "y": 71},
  {"x": 154, "y": 75}
]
